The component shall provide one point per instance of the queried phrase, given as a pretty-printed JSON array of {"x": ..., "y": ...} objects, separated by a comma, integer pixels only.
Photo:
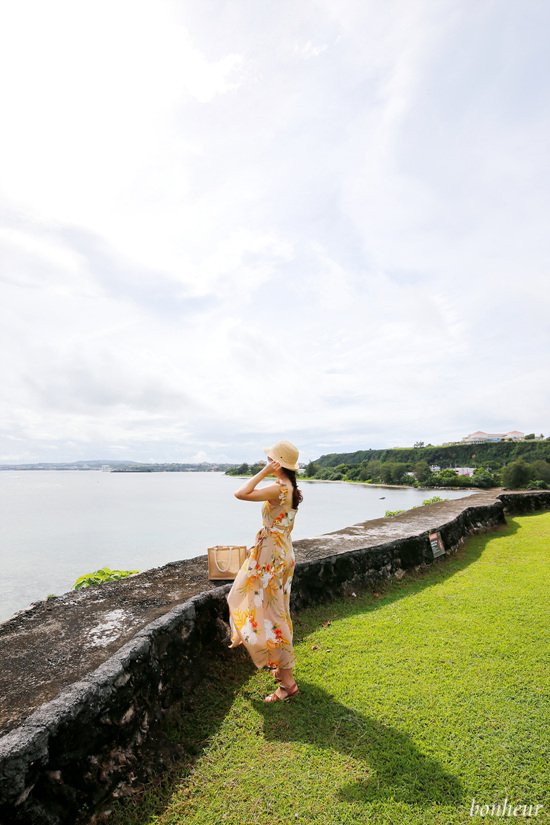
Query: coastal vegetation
[
  {"x": 245, "y": 469},
  {"x": 493, "y": 455},
  {"x": 510, "y": 464},
  {"x": 434, "y": 500},
  {"x": 408, "y": 467},
  {"x": 417, "y": 702},
  {"x": 104, "y": 574}
]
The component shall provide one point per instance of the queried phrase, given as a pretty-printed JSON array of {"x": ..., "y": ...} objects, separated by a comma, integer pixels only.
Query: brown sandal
[
  {"x": 290, "y": 691},
  {"x": 273, "y": 672}
]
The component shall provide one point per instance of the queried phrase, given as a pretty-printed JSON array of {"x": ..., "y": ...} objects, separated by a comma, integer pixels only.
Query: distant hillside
[
  {"x": 121, "y": 467},
  {"x": 70, "y": 465},
  {"x": 204, "y": 467},
  {"x": 497, "y": 454}
]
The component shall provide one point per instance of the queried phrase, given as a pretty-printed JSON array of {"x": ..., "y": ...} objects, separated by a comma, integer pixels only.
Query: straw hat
[{"x": 285, "y": 453}]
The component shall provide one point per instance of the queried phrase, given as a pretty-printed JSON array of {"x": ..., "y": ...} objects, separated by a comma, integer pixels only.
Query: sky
[{"x": 225, "y": 222}]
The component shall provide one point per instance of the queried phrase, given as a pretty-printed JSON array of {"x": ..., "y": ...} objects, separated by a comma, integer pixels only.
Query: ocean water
[{"x": 58, "y": 525}]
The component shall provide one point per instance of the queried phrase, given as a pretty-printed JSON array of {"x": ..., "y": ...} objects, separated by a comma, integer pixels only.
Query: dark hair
[{"x": 297, "y": 496}]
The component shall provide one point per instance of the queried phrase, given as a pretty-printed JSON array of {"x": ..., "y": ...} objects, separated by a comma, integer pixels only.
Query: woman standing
[{"x": 259, "y": 601}]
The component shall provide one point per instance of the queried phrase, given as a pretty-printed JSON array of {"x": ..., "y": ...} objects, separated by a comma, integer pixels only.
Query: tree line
[
  {"x": 245, "y": 469},
  {"x": 497, "y": 464},
  {"x": 494, "y": 455},
  {"x": 517, "y": 474}
]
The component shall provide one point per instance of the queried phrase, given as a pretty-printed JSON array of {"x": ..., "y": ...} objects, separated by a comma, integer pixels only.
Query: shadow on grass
[
  {"x": 397, "y": 769},
  {"x": 192, "y": 729}
]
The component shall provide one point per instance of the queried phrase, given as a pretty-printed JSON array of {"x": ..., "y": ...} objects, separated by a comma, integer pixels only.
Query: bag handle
[{"x": 222, "y": 569}]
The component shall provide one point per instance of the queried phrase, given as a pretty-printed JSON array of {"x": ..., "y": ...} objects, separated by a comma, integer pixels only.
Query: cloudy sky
[{"x": 229, "y": 221}]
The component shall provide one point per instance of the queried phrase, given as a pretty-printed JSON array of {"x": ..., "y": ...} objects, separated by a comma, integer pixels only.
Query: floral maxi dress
[{"x": 259, "y": 601}]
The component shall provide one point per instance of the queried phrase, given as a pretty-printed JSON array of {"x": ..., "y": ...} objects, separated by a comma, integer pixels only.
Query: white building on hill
[{"x": 479, "y": 437}]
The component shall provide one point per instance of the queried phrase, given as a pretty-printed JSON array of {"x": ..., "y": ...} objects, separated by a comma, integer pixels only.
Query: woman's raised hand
[{"x": 272, "y": 467}]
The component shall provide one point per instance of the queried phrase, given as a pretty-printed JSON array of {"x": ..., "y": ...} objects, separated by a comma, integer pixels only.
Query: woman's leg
[
  {"x": 279, "y": 613},
  {"x": 287, "y": 679},
  {"x": 286, "y": 688},
  {"x": 284, "y": 675}
]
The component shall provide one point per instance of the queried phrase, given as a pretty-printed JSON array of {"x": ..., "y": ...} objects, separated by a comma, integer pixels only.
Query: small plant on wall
[{"x": 101, "y": 576}]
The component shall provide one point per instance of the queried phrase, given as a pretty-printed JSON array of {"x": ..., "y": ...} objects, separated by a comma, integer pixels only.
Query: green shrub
[
  {"x": 312, "y": 469},
  {"x": 541, "y": 470},
  {"x": 482, "y": 478},
  {"x": 516, "y": 474},
  {"x": 422, "y": 471},
  {"x": 101, "y": 576},
  {"x": 449, "y": 478},
  {"x": 433, "y": 500},
  {"x": 323, "y": 474}
]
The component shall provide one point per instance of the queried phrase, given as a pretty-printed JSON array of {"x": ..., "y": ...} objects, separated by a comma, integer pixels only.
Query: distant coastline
[
  {"x": 121, "y": 467},
  {"x": 373, "y": 484}
]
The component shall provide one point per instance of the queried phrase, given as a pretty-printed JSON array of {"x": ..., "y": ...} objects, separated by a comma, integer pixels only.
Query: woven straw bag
[{"x": 225, "y": 561}]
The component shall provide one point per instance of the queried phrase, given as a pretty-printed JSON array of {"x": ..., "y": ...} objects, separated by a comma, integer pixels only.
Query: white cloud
[
  {"x": 308, "y": 50},
  {"x": 327, "y": 222},
  {"x": 91, "y": 95}
]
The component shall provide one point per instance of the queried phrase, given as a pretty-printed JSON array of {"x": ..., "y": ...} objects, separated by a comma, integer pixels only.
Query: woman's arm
[{"x": 247, "y": 491}]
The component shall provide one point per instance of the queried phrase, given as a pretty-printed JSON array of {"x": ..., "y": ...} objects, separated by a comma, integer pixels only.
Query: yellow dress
[{"x": 259, "y": 601}]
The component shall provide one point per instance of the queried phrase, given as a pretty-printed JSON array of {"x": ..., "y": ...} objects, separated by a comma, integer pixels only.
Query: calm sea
[{"x": 57, "y": 525}]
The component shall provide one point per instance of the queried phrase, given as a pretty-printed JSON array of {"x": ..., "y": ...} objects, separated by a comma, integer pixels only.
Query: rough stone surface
[
  {"x": 88, "y": 677},
  {"x": 529, "y": 502},
  {"x": 58, "y": 641}
]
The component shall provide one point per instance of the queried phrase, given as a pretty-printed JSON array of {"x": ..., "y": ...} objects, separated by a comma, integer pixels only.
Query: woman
[{"x": 259, "y": 601}]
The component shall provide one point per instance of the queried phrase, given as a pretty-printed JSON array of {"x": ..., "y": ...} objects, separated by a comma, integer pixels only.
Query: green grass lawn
[{"x": 412, "y": 703}]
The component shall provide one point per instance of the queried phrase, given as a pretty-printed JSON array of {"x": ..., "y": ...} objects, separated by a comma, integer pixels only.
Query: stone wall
[
  {"x": 98, "y": 737},
  {"x": 515, "y": 504},
  {"x": 326, "y": 578}
]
